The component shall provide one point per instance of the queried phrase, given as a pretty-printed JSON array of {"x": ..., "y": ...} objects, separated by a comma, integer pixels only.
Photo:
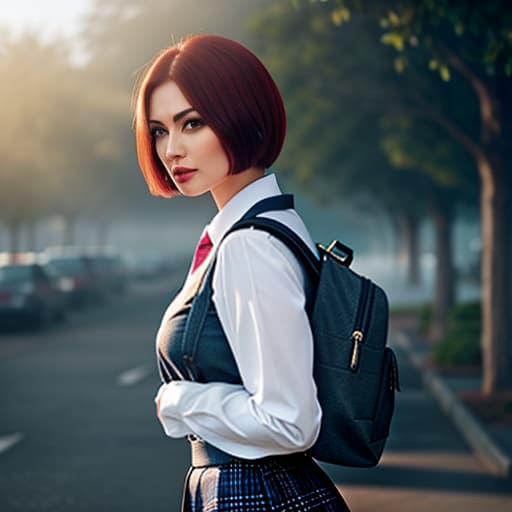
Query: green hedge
[{"x": 461, "y": 346}]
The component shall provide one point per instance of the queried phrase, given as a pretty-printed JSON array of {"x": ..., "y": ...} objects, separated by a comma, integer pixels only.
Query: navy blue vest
[
  {"x": 207, "y": 359},
  {"x": 191, "y": 344}
]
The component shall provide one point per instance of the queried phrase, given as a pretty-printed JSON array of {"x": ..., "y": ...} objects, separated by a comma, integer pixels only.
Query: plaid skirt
[{"x": 289, "y": 483}]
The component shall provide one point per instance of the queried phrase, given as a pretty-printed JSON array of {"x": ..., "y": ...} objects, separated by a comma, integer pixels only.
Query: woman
[{"x": 209, "y": 118}]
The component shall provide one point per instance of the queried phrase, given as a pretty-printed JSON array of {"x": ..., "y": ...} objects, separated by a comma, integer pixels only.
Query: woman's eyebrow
[
  {"x": 179, "y": 115},
  {"x": 176, "y": 117}
]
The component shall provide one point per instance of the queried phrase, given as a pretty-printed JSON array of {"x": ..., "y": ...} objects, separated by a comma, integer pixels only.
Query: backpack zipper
[{"x": 362, "y": 321}]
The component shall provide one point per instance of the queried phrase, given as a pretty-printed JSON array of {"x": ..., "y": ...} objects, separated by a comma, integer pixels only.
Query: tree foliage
[
  {"x": 475, "y": 41},
  {"x": 338, "y": 86},
  {"x": 58, "y": 135}
]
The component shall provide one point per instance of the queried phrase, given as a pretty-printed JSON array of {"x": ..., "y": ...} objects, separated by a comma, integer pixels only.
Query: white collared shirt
[{"x": 258, "y": 292}]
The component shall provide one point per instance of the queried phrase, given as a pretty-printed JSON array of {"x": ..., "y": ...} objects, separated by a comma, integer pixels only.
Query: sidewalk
[{"x": 490, "y": 440}]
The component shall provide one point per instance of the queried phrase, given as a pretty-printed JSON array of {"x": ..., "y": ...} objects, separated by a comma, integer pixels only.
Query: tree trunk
[
  {"x": 397, "y": 240},
  {"x": 410, "y": 226},
  {"x": 444, "y": 294},
  {"x": 32, "y": 236},
  {"x": 68, "y": 235},
  {"x": 13, "y": 228},
  {"x": 491, "y": 155},
  {"x": 102, "y": 235},
  {"x": 496, "y": 278}
]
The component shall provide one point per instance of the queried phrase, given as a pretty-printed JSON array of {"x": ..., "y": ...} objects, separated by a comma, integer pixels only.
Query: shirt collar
[{"x": 262, "y": 188}]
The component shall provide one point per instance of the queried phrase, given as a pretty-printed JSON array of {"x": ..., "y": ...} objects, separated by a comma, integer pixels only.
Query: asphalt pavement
[
  {"x": 78, "y": 430},
  {"x": 79, "y": 398}
]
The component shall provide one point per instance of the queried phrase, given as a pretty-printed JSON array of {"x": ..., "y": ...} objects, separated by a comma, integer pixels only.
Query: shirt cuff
[{"x": 169, "y": 417}]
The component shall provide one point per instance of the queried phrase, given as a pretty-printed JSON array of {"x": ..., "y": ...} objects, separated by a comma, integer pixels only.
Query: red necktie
[{"x": 202, "y": 250}]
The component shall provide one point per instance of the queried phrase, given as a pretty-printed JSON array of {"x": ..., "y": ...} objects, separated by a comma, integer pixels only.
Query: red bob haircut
[{"x": 232, "y": 91}]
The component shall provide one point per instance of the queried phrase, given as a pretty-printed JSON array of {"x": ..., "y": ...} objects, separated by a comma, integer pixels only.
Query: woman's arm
[{"x": 259, "y": 296}]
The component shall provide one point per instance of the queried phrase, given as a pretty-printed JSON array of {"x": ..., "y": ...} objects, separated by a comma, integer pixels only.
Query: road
[
  {"x": 80, "y": 398},
  {"x": 78, "y": 430}
]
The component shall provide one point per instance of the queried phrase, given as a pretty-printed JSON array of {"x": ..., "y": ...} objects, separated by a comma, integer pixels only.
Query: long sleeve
[{"x": 259, "y": 297}]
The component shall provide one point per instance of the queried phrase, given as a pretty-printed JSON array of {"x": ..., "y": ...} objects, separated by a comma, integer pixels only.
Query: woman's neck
[{"x": 233, "y": 183}]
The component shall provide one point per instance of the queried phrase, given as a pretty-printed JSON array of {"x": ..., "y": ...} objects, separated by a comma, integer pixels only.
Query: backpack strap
[
  {"x": 297, "y": 246},
  {"x": 278, "y": 229},
  {"x": 280, "y": 202},
  {"x": 293, "y": 241}
]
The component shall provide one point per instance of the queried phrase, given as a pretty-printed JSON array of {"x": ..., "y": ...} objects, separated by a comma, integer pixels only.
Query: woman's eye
[
  {"x": 190, "y": 124},
  {"x": 157, "y": 132}
]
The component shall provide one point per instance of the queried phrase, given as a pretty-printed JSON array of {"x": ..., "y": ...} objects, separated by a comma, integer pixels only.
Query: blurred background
[
  {"x": 364, "y": 154},
  {"x": 398, "y": 145}
]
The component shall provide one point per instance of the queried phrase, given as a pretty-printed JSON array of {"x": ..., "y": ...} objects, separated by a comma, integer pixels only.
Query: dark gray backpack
[{"x": 355, "y": 372}]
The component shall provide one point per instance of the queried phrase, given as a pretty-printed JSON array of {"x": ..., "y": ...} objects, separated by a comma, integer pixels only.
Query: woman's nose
[{"x": 174, "y": 148}]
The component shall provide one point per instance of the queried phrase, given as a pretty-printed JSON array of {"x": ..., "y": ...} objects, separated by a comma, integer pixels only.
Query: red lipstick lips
[{"x": 182, "y": 174}]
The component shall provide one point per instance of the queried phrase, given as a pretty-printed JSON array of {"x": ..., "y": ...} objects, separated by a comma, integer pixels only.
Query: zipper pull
[{"x": 357, "y": 338}]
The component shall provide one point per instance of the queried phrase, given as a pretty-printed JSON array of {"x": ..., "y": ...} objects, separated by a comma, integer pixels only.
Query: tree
[
  {"x": 475, "y": 41},
  {"x": 59, "y": 142},
  {"x": 337, "y": 85},
  {"x": 451, "y": 183},
  {"x": 26, "y": 185}
]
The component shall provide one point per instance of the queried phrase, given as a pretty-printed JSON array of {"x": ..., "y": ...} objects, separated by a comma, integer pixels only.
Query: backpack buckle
[{"x": 344, "y": 254}]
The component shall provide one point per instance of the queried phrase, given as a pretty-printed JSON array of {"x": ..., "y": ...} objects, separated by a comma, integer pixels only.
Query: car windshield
[{"x": 14, "y": 274}]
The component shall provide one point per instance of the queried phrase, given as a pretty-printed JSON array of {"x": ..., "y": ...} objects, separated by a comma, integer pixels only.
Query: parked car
[
  {"x": 78, "y": 278},
  {"x": 110, "y": 270},
  {"x": 29, "y": 293}
]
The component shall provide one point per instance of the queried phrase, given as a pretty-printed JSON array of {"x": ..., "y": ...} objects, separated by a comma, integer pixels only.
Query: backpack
[{"x": 356, "y": 374}]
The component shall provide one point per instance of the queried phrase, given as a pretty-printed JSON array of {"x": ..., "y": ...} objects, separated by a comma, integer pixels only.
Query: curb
[{"x": 471, "y": 429}]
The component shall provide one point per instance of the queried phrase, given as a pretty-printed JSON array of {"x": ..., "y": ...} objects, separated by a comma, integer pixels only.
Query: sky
[{"x": 50, "y": 17}]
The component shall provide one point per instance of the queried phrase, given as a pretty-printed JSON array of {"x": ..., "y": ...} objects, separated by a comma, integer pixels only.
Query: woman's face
[{"x": 189, "y": 149}]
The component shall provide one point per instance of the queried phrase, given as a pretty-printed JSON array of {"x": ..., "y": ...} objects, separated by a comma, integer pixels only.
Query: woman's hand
[
  {"x": 157, "y": 403},
  {"x": 158, "y": 399}
]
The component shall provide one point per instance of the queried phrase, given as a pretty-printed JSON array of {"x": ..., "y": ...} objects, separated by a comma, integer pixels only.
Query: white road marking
[
  {"x": 9, "y": 441},
  {"x": 131, "y": 377}
]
